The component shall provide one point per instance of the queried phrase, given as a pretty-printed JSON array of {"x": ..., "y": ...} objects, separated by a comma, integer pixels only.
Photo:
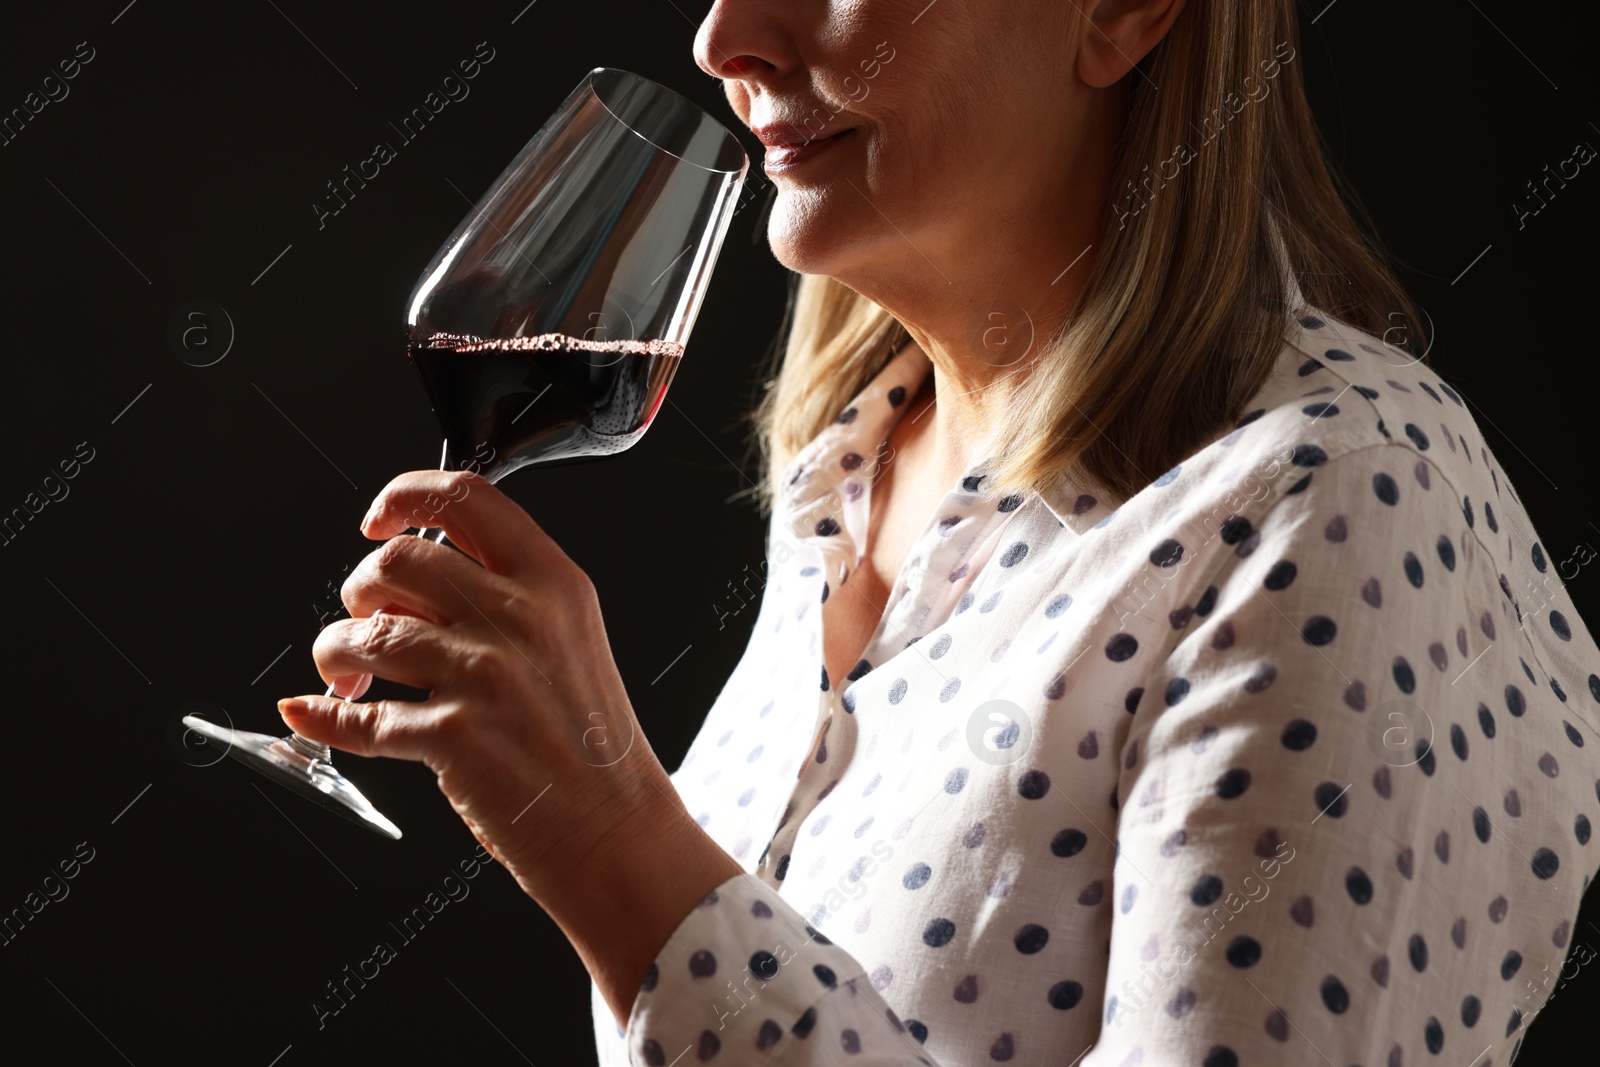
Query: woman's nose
[{"x": 745, "y": 39}]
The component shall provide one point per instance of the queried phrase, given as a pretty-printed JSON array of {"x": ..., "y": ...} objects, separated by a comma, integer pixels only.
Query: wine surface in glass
[{"x": 541, "y": 399}]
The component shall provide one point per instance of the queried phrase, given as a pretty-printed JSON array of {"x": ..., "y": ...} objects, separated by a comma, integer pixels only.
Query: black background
[{"x": 217, "y": 509}]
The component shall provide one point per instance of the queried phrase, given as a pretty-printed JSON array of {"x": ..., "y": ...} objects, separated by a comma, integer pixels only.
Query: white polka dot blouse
[{"x": 1289, "y": 758}]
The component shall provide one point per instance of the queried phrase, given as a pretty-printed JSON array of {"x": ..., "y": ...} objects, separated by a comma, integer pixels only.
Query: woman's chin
[{"x": 801, "y": 240}]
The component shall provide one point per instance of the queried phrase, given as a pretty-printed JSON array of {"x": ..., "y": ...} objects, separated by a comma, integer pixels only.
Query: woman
[{"x": 1154, "y": 665}]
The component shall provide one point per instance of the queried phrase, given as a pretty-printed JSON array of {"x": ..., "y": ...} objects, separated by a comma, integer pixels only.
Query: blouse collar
[{"x": 824, "y": 492}]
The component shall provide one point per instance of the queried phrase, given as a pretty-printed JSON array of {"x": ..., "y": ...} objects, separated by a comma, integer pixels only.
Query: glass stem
[
  {"x": 316, "y": 750},
  {"x": 311, "y": 750},
  {"x": 436, "y": 533}
]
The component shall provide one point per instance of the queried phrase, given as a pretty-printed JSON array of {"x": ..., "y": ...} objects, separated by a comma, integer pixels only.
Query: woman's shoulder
[
  {"x": 1357, "y": 453},
  {"x": 1338, "y": 394},
  {"x": 1344, "y": 389}
]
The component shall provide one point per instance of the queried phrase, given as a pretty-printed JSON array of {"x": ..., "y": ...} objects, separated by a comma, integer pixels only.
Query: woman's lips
[{"x": 781, "y": 159}]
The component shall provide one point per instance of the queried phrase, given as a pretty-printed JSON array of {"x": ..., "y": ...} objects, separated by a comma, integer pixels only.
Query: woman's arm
[
  {"x": 1339, "y": 828},
  {"x": 524, "y": 725}
]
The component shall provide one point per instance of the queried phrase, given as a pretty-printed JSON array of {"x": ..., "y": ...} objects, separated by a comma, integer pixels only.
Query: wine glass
[{"x": 548, "y": 326}]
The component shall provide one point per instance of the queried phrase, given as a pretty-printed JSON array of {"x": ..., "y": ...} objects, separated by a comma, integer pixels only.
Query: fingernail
[
  {"x": 371, "y": 514},
  {"x": 293, "y": 708}
]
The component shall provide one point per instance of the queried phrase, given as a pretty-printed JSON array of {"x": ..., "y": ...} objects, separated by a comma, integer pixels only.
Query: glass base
[{"x": 301, "y": 765}]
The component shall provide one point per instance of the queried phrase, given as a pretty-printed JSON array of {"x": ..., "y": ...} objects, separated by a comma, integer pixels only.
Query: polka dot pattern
[{"x": 1290, "y": 755}]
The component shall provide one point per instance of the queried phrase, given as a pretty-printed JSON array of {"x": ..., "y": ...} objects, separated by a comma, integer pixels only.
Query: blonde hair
[{"x": 1186, "y": 307}]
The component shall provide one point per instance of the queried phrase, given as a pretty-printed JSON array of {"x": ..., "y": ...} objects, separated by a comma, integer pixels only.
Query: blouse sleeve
[
  {"x": 1332, "y": 813},
  {"x": 745, "y": 980}
]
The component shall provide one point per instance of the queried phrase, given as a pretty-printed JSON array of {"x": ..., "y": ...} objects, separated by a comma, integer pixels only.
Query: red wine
[{"x": 508, "y": 402}]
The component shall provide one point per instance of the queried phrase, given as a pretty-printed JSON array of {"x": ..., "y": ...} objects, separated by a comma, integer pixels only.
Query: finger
[
  {"x": 351, "y": 686},
  {"x": 382, "y": 728},
  {"x": 478, "y": 518},
  {"x": 412, "y": 576},
  {"x": 402, "y": 648}
]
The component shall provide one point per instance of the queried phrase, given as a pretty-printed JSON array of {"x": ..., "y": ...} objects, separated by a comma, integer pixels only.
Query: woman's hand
[{"x": 527, "y": 724}]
